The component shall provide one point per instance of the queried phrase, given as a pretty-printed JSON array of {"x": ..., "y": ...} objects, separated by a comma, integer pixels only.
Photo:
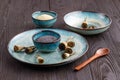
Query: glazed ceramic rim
[
  {"x": 48, "y": 12},
  {"x": 54, "y": 64},
  {"x": 90, "y": 12},
  {"x": 58, "y": 39}
]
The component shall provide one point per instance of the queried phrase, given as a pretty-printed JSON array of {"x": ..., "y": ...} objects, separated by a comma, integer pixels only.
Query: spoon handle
[{"x": 86, "y": 62}]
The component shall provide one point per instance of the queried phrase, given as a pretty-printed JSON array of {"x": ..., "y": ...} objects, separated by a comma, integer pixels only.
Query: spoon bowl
[{"x": 102, "y": 52}]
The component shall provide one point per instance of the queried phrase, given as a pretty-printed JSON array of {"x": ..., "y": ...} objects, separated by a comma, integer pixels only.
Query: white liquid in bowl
[{"x": 44, "y": 17}]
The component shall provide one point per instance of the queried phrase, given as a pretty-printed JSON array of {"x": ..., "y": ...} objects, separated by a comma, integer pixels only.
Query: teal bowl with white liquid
[{"x": 43, "y": 22}]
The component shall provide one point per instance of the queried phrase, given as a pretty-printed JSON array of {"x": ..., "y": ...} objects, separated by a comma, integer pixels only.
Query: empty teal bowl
[
  {"x": 44, "y": 23},
  {"x": 100, "y": 21},
  {"x": 46, "y": 46}
]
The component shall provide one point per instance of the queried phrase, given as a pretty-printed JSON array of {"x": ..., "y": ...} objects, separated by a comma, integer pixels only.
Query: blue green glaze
[
  {"x": 46, "y": 47},
  {"x": 53, "y": 58},
  {"x": 75, "y": 19},
  {"x": 44, "y": 23}
]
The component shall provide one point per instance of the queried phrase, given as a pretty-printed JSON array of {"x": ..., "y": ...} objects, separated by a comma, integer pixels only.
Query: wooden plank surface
[{"x": 15, "y": 17}]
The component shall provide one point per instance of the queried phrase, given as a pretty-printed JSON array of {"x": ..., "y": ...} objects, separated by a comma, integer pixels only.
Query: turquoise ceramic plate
[{"x": 51, "y": 59}]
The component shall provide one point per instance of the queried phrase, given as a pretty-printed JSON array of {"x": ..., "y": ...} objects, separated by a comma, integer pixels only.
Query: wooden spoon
[{"x": 100, "y": 52}]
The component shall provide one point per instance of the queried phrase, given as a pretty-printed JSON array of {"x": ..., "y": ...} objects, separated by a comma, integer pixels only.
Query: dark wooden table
[{"x": 15, "y": 17}]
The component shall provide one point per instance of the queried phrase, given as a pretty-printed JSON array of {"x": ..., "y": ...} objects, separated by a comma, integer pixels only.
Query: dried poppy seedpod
[
  {"x": 92, "y": 27},
  {"x": 63, "y": 46},
  {"x": 72, "y": 53},
  {"x": 68, "y": 50},
  {"x": 84, "y": 24},
  {"x": 67, "y": 43},
  {"x": 30, "y": 49},
  {"x": 71, "y": 44},
  {"x": 18, "y": 48},
  {"x": 65, "y": 55},
  {"x": 40, "y": 59}
]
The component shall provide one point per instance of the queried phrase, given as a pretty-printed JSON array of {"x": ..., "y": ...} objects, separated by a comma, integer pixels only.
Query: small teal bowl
[
  {"x": 75, "y": 19},
  {"x": 46, "y": 47},
  {"x": 44, "y": 23}
]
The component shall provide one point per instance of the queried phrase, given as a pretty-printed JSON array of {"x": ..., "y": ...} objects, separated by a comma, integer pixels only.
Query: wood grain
[{"x": 15, "y": 17}]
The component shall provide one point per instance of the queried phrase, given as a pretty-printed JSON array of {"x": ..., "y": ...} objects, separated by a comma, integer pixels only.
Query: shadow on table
[{"x": 44, "y": 68}]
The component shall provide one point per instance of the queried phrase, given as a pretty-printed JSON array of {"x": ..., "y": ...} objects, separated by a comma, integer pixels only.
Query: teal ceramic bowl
[
  {"x": 44, "y": 23},
  {"x": 100, "y": 21},
  {"x": 46, "y": 46}
]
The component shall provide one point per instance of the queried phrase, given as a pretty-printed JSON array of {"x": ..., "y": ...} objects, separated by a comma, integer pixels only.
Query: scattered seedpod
[
  {"x": 65, "y": 55},
  {"x": 84, "y": 24},
  {"x": 18, "y": 48},
  {"x": 63, "y": 46},
  {"x": 67, "y": 43},
  {"x": 68, "y": 50},
  {"x": 91, "y": 27},
  {"x": 67, "y": 47},
  {"x": 72, "y": 53},
  {"x": 71, "y": 44},
  {"x": 40, "y": 59},
  {"x": 30, "y": 49}
]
